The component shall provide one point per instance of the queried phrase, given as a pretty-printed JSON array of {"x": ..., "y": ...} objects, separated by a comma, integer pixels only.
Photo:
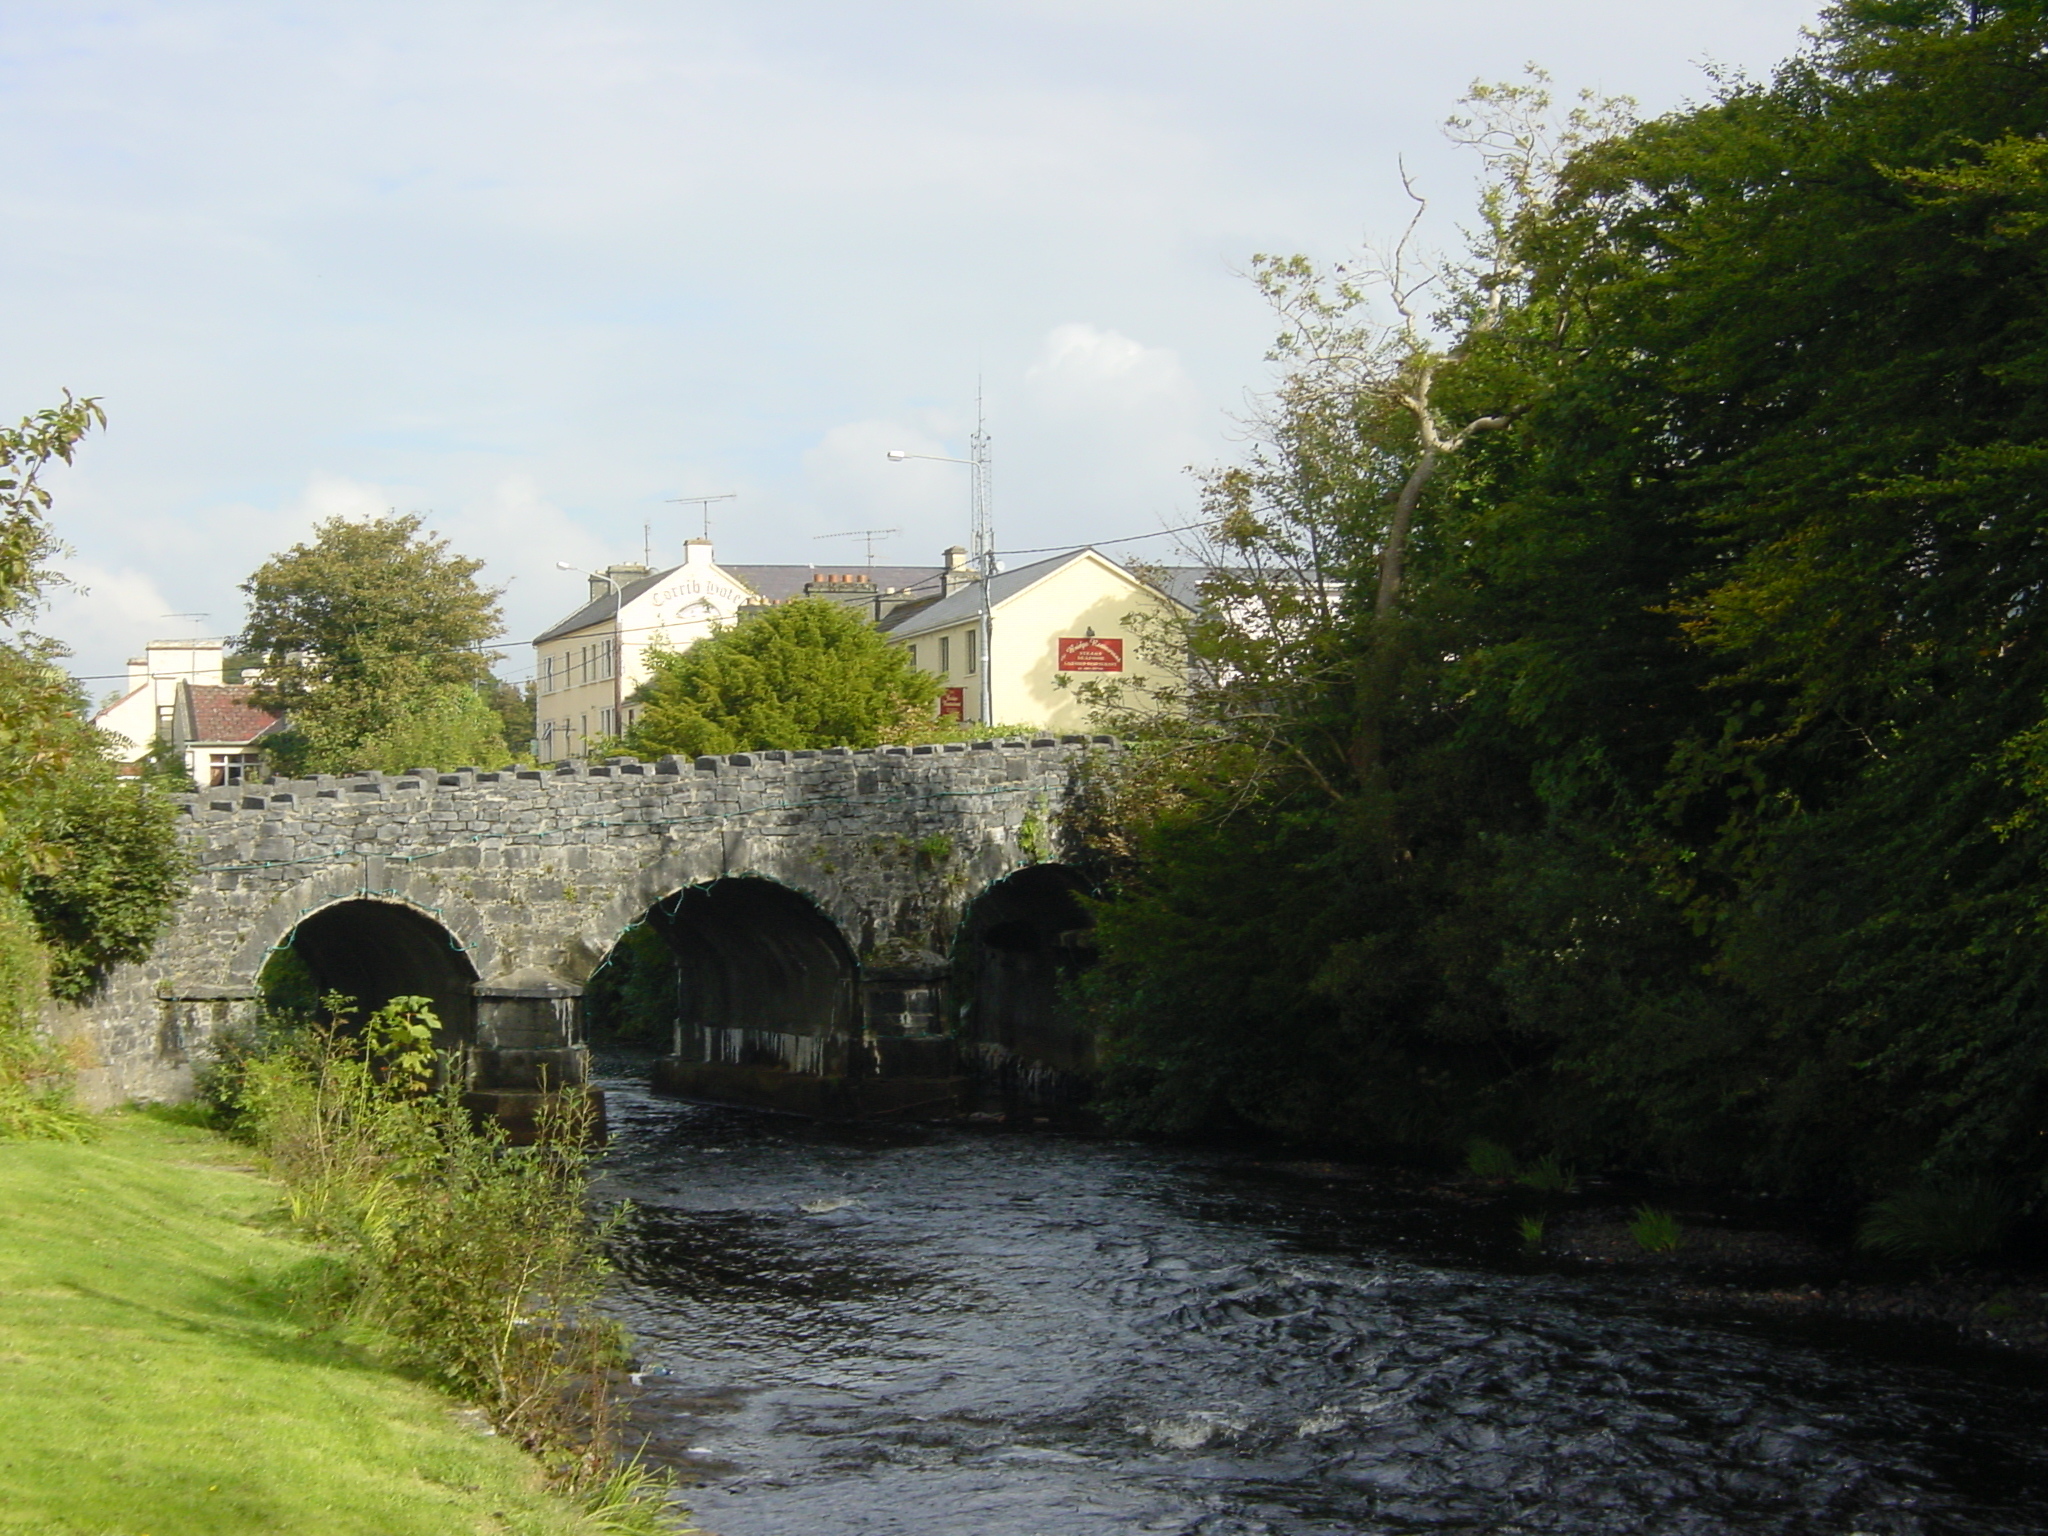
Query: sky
[{"x": 536, "y": 270}]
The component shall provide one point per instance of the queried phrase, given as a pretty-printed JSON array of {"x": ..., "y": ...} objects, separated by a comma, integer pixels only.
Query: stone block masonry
[{"x": 794, "y": 884}]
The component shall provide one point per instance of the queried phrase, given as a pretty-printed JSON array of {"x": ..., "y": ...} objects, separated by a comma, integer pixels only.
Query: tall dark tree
[{"x": 1706, "y": 823}]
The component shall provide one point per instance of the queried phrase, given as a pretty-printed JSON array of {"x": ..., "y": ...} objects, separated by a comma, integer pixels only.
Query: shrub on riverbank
[
  {"x": 473, "y": 1258},
  {"x": 1943, "y": 1221},
  {"x": 35, "y": 1098}
]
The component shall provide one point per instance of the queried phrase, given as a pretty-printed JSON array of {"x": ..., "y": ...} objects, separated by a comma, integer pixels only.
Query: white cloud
[
  {"x": 123, "y": 609},
  {"x": 520, "y": 533},
  {"x": 1082, "y": 370},
  {"x": 1113, "y": 426}
]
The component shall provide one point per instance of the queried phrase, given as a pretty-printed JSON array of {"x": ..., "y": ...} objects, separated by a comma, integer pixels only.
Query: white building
[
  {"x": 177, "y": 693},
  {"x": 587, "y": 666},
  {"x": 1044, "y": 627},
  {"x": 142, "y": 716}
]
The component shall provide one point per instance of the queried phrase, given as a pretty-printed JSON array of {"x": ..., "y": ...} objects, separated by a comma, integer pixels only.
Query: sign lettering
[{"x": 1089, "y": 654}]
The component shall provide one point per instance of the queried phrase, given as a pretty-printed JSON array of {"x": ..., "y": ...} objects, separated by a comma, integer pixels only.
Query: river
[{"x": 853, "y": 1331}]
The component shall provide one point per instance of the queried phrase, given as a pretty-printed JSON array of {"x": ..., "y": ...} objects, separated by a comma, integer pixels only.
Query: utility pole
[{"x": 981, "y": 535}]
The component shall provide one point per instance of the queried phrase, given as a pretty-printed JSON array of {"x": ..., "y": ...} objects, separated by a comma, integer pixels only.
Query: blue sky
[{"x": 531, "y": 269}]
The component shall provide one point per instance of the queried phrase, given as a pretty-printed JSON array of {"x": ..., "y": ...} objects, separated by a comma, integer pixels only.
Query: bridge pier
[
  {"x": 891, "y": 1053},
  {"x": 529, "y": 1053}
]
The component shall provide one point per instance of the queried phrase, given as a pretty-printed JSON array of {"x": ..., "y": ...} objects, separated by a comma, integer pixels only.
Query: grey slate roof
[
  {"x": 772, "y": 583},
  {"x": 600, "y": 607},
  {"x": 964, "y": 606},
  {"x": 779, "y": 583}
]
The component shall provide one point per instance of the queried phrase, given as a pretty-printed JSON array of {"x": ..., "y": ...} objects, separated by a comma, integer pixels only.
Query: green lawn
[{"x": 160, "y": 1374}]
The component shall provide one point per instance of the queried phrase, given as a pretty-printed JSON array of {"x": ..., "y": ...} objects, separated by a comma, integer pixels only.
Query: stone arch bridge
[{"x": 855, "y": 932}]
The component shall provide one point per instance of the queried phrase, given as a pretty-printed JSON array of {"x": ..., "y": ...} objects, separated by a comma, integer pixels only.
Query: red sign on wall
[
  {"x": 952, "y": 703},
  {"x": 1091, "y": 655}
]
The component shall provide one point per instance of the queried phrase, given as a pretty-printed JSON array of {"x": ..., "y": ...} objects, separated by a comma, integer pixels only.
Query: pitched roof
[
  {"x": 780, "y": 583},
  {"x": 600, "y": 608},
  {"x": 221, "y": 712},
  {"x": 964, "y": 605},
  {"x": 770, "y": 583}
]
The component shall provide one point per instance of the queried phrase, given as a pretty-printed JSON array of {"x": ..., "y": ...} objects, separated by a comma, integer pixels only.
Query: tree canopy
[
  {"x": 89, "y": 865},
  {"x": 1683, "y": 806},
  {"x": 373, "y": 638},
  {"x": 810, "y": 673}
]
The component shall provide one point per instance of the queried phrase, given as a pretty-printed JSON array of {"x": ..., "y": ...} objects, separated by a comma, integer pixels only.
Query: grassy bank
[{"x": 163, "y": 1371}]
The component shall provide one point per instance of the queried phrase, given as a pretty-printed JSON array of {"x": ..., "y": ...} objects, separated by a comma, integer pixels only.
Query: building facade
[
  {"x": 1011, "y": 655},
  {"x": 142, "y": 716},
  {"x": 587, "y": 667}
]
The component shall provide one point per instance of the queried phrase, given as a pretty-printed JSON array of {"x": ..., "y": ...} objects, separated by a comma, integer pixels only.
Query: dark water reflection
[{"x": 1038, "y": 1336}]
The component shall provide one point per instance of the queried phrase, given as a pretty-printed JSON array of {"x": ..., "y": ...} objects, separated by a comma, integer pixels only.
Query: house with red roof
[{"x": 218, "y": 731}]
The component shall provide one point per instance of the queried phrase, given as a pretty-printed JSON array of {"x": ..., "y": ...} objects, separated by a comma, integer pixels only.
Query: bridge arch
[
  {"x": 373, "y": 949},
  {"x": 1020, "y": 946},
  {"x": 763, "y": 977},
  {"x": 279, "y": 920}
]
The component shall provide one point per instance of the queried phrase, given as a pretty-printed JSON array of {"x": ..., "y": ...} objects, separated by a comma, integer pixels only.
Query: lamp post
[
  {"x": 983, "y": 539},
  {"x": 618, "y": 638}
]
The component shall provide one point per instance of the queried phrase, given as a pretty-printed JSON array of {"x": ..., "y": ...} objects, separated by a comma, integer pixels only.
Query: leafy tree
[
  {"x": 1699, "y": 822},
  {"x": 515, "y": 708},
  {"x": 810, "y": 673},
  {"x": 113, "y": 879},
  {"x": 89, "y": 866},
  {"x": 372, "y": 639}
]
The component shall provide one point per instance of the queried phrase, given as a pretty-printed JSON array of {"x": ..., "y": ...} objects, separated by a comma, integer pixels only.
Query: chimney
[
  {"x": 624, "y": 575},
  {"x": 958, "y": 572},
  {"x": 847, "y": 588},
  {"x": 697, "y": 552}
]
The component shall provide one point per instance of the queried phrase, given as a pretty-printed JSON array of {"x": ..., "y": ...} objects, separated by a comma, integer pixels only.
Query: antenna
[
  {"x": 705, "y": 503},
  {"x": 868, "y": 534},
  {"x": 983, "y": 533}
]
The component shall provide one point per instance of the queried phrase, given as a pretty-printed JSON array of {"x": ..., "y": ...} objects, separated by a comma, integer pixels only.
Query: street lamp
[
  {"x": 982, "y": 537},
  {"x": 618, "y": 638}
]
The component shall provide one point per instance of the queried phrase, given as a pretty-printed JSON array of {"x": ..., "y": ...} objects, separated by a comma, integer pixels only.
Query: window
[
  {"x": 547, "y": 737},
  {"x": 945, "y": 654},
  {"x": 547, "y": 674},
  {"x": 232, "y": 768},
  {"x": 604, "y": 722},
  {"x": 973, "y": 646},
  {"x": 913, "y": 655}
]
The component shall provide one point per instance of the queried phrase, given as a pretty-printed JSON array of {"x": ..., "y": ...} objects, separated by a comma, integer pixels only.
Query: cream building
[
  {"x": 1060, "y": 618},
  {"x": 587, "y": 667}
]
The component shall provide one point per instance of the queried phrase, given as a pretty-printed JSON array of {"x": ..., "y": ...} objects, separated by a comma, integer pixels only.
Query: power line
[{"x": 1053, "y": 549}]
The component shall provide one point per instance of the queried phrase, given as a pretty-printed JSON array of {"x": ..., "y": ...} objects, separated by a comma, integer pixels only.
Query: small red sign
[
  {"x": 952, "y": 703},
  {"x": 1091, "y": 655}
]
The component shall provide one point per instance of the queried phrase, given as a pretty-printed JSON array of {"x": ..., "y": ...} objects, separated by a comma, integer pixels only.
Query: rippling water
[{"x": 940, "y": 1331}]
